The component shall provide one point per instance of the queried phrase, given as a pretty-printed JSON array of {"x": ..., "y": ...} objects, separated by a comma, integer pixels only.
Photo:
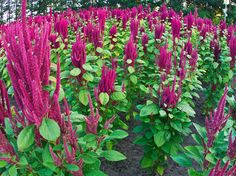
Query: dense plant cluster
[{"x": 72, "y": 80}]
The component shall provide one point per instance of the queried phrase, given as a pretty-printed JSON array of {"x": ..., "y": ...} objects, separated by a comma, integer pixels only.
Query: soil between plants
[{"x": 134, "y": 153}]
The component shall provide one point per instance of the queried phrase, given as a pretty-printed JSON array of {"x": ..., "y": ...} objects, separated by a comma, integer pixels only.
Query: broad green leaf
[
  {"x": 184, "y": 106},
  {"x": 88, "y": 77},
  {"x": 133, "y": 79},
  {"x": 112, "y": 155},
  {"x": 72, "y": 167},
  {"x": 103, "y": 98},
  {"x": 150, "y": 109},
  {"x": 49, "y": 129},
  {"x": 83, "y": 97},
  {"x": 182, "y": 160},
  {"x": 160, "y": 138},
  {"x": 118, "y": 96},
  {"x": 146, "y": 162},
  {"x": 12, "y": 171},
  {"x": 26, "y": 138},
  {"x": 75, "y": 72},
  {"x": 118, "y": 134}
]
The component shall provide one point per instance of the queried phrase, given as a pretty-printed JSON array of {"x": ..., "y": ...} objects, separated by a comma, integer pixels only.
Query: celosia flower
[
  {"x": 125, "y": 19},
  {"x": 169, "y": 97},
  {"x": 231, "y": 152},
  {"x": 61, "y": 27},
  {"x": 114, "y": 63},
  {"x": 189, "y": 21},
  {"x": 218, "y": 171},
  {"x": 159, "y": 30},
  {"x": 215, "y": 47},
  {"x": 217, "y": 120},
  {"x": 222, "y": 27},
  {"x": 113, "y": 32},
  {"x": 182, "y": 63},
  {"x": 88, "y": 31},
  {"x": 5, "y": 146},
  {"x": 193, "y": 60},
  {"x": 92, "y": 119},
  {"x": 96, "y": 37},
  {"x": 144, "y": 42},
  {"x": 164, "y": 60},
  {"x": 78, "y": 54},
  {"x": 29, "y": 69},
  {"x": 107, "y": 82},
  {"x": 176, "y": 26},
  {"x": 53, "y": 39},
  {"x": 109, "y": 122},
  {"x": 188, "y": 47},
  {"x": 232, "y": 47},
  {"x": 134, "y": 26},
  {"x": 5, "y": 109},
  {"x": 163, "y": 12},
  {"x": 130, "y": 52}
]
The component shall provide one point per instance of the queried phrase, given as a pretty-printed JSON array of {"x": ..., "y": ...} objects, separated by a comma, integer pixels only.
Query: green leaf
[
  {"x": 182, "y": 160},
  {"x": 83, "y": 97},
  {"x": 88, "y": 77},
  {"x": 99, "y": 50},
  {"x": 131, "y": 69},
  {"x": 26, "y": 138},
  {"x": 112, "y": 155},
  {"x": 118, "y": 134},
  {"x": 72, "y": 167},
  {"x": 184, "y": 106},
  {"x": 150, "y": 109},
  {"x": 12, "y": 171},
  {"x": 103, "y": 98},
  {"x": 3, "y": 164},
  {"x": 49, "y": 129},
  {"x": 89, "y": 158},
  {"x": 88, "y": 67},
  {"x": 159, "y": 138},
  {"x": 117, "y": 96},
  {"x": 23, "y": 161},
  {"x": 75, "y": 72},
  {"x": 162, "y": 113},
  {"x": 133, "y": 79},
  {"x": 146, "y": 162}
]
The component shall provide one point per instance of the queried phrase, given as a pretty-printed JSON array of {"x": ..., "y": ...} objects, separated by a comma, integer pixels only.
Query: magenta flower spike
[
  {"x": 215, "y": 47},
  {"x": 182, "y": 63},
  {"x": 144, "y": 42},
  {"x": 218, "y": 171},
  {"x": 61, "y": 27},
  {"x": 96, "y": 37},
  {"x": 107, "y": 82},
  {"x": 232, "y": 47},
  {"x": 5, "y": 147},
  {"x": 193, "y": 60},
  {"x": 188, "y": 47},
  {"x": 159, "y": 30},
  {"x": 217, "y": 120},
  {"x": 134, "y": 26},
  {"x": 164, "y": 60},
  {"x": 189, "y": 21},
  {"x": 29, "y": 69},
  {"x": 92, "y": 119},
  {"x": 169, "y": 97},
  {"x": 78, "y": 54},
  {"x": 176, "y": 26},
  {"x": 113, "y": 32},
  {"x": 231, "y": 152},
  {"x": 130, "y": 53},
  {"x": 5, "y": 108}
]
